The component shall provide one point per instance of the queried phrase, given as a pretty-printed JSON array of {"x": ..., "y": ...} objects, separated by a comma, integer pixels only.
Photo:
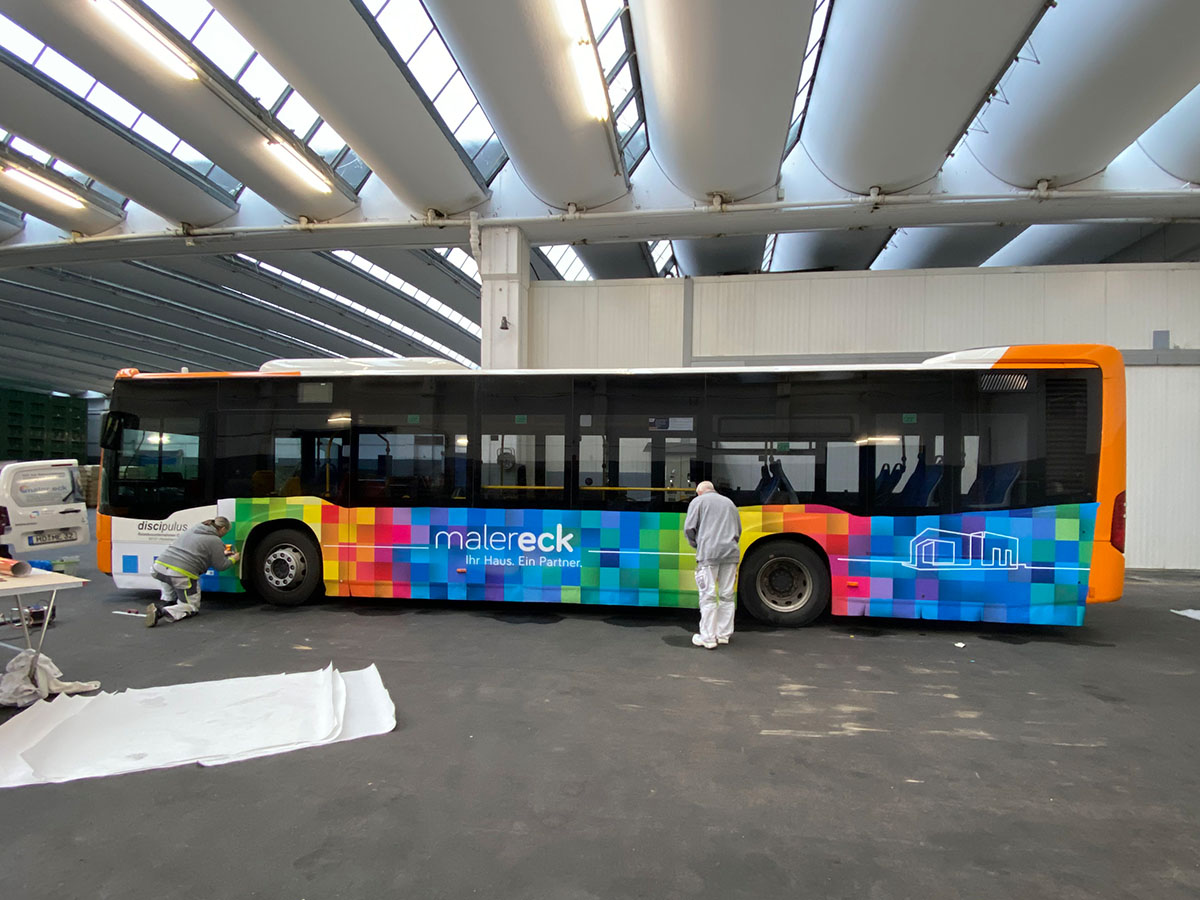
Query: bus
[{"x": 983, "y": 485}]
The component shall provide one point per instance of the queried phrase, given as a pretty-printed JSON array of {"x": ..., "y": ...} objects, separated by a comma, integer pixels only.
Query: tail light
[{"x": 1118, "y": 522}]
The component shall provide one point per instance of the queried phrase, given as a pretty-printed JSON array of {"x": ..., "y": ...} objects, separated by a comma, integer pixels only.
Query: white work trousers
[
  {"x": 180, "y": 594},
  {"x": 717, "y": 586}
]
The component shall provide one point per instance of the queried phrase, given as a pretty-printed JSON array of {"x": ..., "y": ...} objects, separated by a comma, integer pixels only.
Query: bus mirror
[{"x": 114, "y": 424}]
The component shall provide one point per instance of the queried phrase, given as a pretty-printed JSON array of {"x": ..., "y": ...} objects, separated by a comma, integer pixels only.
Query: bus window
[
  {"x": 637, "y": 441},
  {"x": 158, "y": 466},
  {"x": 523, "y": 441}
]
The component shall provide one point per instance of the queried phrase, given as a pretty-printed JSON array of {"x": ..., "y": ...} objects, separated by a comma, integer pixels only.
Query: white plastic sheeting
[{"x": 211, "y": 723}]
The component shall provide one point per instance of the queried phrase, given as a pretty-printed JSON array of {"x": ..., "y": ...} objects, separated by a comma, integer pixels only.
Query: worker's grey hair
[
  {"x": 218, "y": 522},
  {"x": 704, "y": 487}
]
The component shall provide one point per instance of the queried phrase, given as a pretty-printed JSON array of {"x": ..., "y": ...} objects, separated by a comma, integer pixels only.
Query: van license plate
[{"x": 52, "y": 537}]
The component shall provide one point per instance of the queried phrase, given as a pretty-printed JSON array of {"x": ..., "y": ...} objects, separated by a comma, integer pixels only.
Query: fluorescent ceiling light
[
  {"x": 147, "y": 37},
  {"x": 300, "y": 167},
  {"x": 595, "y": 94},
  {"x": 880, "y": 439},
  {"x": 339, "y": 419},
  {"x": 583, "y": 57},
  {"x": 45, "y": 188}
]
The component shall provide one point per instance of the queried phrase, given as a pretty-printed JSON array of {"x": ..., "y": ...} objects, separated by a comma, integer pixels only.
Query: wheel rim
[
  {"x": 285, "y": 567},
  {"x": 784, "y": 585}
]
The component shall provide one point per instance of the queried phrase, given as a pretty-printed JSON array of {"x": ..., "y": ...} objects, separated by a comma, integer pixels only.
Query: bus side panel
[
  {"x": 1026, "y": 565},
  {"x": 532, "y": 555},
  {"x": 134, "y": 544}
]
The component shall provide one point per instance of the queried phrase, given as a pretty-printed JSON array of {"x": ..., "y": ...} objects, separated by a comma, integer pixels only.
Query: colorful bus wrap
[{"x": 944, "y": 508}]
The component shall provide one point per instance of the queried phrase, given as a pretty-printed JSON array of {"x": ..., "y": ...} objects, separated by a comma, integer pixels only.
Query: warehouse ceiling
[{"x": 212, "y": 186}]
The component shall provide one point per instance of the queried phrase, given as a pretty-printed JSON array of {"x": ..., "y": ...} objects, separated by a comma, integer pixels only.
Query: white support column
[{"x": 504, "y": 298}]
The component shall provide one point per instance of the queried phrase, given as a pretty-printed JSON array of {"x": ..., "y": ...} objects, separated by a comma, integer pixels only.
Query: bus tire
[
  {"x": 784, "y": 583},
  {"x": 286, "y": 567}
]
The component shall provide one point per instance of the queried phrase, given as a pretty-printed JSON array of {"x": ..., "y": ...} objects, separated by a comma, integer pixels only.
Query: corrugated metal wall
[{"x": 771, "y": 317}]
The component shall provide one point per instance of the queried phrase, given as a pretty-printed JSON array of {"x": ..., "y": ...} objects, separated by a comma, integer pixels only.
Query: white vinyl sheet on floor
[{"x": 211, "y": 723}]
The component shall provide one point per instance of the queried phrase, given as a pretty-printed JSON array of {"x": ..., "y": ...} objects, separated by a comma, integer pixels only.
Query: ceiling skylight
[
  {"x": 614, "y": 43},
  {"x": 212, "y": 36},
  {"x": 377, "y": 316},
  {"x": 568, "y": 264},
  {"x": 58, "y": 68},
  {"x": 812, "y": 55},
  {"x": 461, "y": 260},
  {"x": 417, "y": 42},
  {"x": 410, "y": 291},
  {"x": 34, "y": 152}
]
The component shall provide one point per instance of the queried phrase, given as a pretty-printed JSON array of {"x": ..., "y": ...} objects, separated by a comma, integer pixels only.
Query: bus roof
[{"x": 981, "y": 358}]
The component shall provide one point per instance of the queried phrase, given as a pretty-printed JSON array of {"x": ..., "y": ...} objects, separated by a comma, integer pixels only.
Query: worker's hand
[{"x": 234, "y": 556}]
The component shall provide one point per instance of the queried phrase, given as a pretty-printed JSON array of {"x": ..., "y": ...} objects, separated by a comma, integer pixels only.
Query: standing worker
[
  {"x": 179, "y": 567},
  {"x": 713, "y": 527}
]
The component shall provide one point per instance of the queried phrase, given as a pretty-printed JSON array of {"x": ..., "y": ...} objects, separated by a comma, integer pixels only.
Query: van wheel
[
  {"x": 286, "y": 569},
  {"x": 784, "y": 583}
]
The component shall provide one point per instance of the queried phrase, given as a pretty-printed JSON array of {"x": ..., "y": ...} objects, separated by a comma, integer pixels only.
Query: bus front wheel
[
  {"x": 286, "y": 570},
  {"x": 784, "y": 583}
]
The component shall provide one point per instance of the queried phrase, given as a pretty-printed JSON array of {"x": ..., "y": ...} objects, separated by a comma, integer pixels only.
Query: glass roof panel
[
  {"x": 18, "y": 41},
  {"x": 455, "y": 101},
  {"x": 297, "y": 115},
  {"x": 564, "y": 258},
  {"x": 220, "y": 42},
  {"x": 418, "y": 44},
  {"x": 433, "y": 66},
  {"x": 23, "y": 146},
  {"x": 20, "y": 145},
  {"x": 327, "y": 143},
  {"x": 114, "y": 104},
  {"x": 185, "y": 16},
  {"x": 462, "y": 261},
  {"x": 155, "y": 133},
  {"x": 52, "y": 64},
  {"x": 614, "y": 35},
  {"x": 65, "y": 72},
  {"x": 812, "y": 56},
  {"x": 612, "y": 48},
  {"x": 406, "y": 24},
  {"x": 411, "y": 291},
  {"x": 262, "y": 82}
]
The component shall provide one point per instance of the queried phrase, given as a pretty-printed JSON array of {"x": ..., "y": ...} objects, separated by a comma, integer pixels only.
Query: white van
[{"x": 41, "y": 506}]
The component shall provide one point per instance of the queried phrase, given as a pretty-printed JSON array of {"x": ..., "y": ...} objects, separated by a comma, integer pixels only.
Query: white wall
[
  {"x": 1163, "y": 470},
  {"x": 769, "y": 318},
  {"x": 946, "y": 309}
]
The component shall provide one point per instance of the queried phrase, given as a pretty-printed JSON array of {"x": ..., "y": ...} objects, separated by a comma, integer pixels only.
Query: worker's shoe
[
  {"x": 153, "y": 614},
  {"x": 722, "y": 640},
  {"x": 701, "y": 642}
]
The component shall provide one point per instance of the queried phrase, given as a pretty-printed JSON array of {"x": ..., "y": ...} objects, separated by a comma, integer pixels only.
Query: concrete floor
[{"x": 567, "y": 753}]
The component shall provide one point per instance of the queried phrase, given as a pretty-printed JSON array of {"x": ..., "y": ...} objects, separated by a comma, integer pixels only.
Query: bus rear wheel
[
  {"x": 286, "y": 569},
  {"x": 784, "y": 583}
]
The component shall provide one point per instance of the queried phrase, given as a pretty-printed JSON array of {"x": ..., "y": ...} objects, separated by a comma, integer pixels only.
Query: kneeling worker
[{"x": 178, "y": 569}]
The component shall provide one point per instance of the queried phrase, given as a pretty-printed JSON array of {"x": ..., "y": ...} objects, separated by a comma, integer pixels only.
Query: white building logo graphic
[{"x": 937, "y": 548}]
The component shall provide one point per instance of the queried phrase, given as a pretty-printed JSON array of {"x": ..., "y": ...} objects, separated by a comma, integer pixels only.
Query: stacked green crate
[{"x": 39, "y": 426}]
